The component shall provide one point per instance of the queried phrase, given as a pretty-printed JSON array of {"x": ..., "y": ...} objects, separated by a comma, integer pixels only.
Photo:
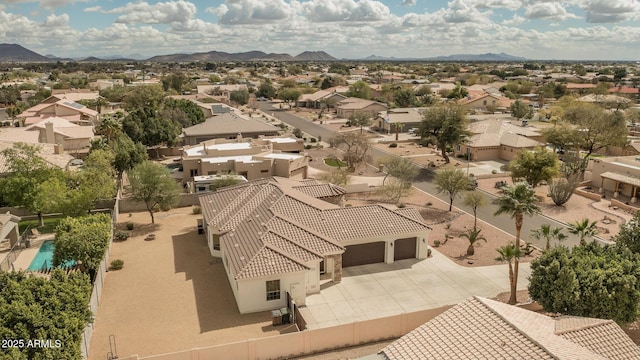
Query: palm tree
[
  {"x": 518, "y": 200},
  {"x": 511, "y": 254},
  {"x": 583, "y": 228},
  {"x": 475, "y": 199},
  {"x": 546, "y": 232},
  {"x": 473, "y": 235}
]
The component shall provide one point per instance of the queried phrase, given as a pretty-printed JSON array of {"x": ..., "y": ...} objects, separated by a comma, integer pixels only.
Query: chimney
[
  {"x": 239, "y": 138},
  {"x": 50, "y": 136},
  {"x": 58, "y": 149}
]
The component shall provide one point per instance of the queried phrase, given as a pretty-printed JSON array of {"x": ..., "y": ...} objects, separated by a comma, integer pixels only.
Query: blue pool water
[{"x": 44, "y": 257}]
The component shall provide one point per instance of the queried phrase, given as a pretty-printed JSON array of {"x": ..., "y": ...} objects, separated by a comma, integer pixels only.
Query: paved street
[{"x": 503, "y": 222}]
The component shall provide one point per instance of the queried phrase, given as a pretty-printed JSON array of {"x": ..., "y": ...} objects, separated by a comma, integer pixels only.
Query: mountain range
[{"x": 16, "y": 53}]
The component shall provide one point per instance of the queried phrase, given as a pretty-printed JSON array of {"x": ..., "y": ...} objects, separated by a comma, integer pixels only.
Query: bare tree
[{"x": 355, "y": 146}]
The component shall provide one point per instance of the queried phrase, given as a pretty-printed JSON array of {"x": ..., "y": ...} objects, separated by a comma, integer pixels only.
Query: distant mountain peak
[
  {"x": 314, "y": 56},
  {"x": 17, "y": 53}
]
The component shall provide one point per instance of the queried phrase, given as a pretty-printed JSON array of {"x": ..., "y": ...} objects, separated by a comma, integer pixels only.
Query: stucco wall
[{"x": 251, "y": 294}]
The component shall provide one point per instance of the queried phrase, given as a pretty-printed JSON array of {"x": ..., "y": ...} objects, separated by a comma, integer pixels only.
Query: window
[
  {"x": 273, "y": 290},
  {"x": 193, "y": 172}
]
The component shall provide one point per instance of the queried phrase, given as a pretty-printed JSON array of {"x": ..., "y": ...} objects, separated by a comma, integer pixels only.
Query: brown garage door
[
  {"x": 404, "y": 249},
  {"x": 363, "y": 254}
]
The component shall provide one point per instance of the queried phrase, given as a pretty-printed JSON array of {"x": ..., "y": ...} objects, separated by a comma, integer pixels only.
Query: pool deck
[{"x": 27, "y": 255}]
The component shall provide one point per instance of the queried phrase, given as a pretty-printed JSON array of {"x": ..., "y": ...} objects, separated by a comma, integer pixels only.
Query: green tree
[
  {"x": 473, "y": 235},
  {"x": 452, "y": 182},
  {"x": 143, "y": 96},
  {"x": 458, "y": 92},
  {"x": 404, "y": 97},
  {"x": 289, "y": 96},
  {"x": 153, "y": 185},
  {"x": 239, "y": 97},
  {"x": 629, "y": 234},
  {"x": 127, "y": 154},
  {"x": 27, "y": 174},
  {"x": 475, "y": 200},
  {"x": 83, "y": 239},
  {"x": 583, "y": 228},
  {"x": 148, "y": 127},
  {"x": 534, "y": 166},
  {"x": 177, "y": 81},
  {"x": 266, "y": 89},
  {"x": 110, "y": 126},
  {"x": 182, "y": 111},
  {"x": 520, "y": 110},
  {"x": 360, "y": 119},
  {"x": 518, "y": 200},
  {"x": 447, "y": 124},
  {"x": 359, "y": 89},
  {"x": 590, "y": 280},
  {"x": 511, "y": 254},
  {"x": 548, "y": 234},
  {"x": 34, "y": 307}
]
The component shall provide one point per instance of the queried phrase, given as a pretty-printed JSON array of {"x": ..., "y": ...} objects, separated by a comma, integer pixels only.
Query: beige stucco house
[
  {"x": 407, "y": 118},
  {"x": 497, "y": 139},
  {"x": 227, "y": 125},
  {"x": 62, "y": 108},
  {"x": 351, "y": 106},
  {"x": 276, "y": 237},
  {"x": 9, "y": 230},
  {"x": 251, "y": 158},
  {"x": 320, "y": 99},
  {"x": 620, "y": 175},
  {"x": 53, "y": 130}
]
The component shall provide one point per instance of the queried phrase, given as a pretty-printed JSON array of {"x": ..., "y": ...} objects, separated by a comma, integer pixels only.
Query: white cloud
[
  {"x": 514, "y": 21},
  {"x": 408, "y": 2},
  {"x": 236, "y": 12},
  {"x": 345, "y": 10},
  {"x": 159, "y": 13},
  {"x": 460, "y": 11},
  {"x": 93, "y": 9},
  {"x": 599, "y": 11},
  {"x": 548, "y": 10}
]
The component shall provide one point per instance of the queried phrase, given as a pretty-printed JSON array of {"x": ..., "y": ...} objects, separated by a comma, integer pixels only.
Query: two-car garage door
[{"x": 372, "y": 253}]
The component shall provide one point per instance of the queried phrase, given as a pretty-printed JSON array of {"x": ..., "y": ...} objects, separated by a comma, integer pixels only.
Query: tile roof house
[
  {"x": 496, "y": 139},
  {"x": 278, "y": 236},
  {"x": 484, "y": 101},
  {"x": 53, "y": 130},
  {"x": 9, "y": 230},
  {"x": 619, "y": 175},
  {"x": 320, "y": 99},
  {"x": 480, "y": 328},
  {"x": 350, "y": 106},
  {"x": 52, "y": 154},
  {"x": 251, "y": 158},
  {"x": 63, "y": 108},
  {"x": 407, "y": 117},
  {"x": 227, "y": 126}
]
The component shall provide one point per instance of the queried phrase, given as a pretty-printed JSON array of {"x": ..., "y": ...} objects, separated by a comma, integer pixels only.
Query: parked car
[{"x": 414, "y": 131}]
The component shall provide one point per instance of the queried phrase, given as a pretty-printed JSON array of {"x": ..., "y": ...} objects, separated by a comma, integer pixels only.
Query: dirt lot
[{"x": 171, "y": 294}]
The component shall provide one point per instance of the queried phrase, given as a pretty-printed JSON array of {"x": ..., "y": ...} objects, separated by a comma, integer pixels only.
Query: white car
[{"x": 413, "y": 131}]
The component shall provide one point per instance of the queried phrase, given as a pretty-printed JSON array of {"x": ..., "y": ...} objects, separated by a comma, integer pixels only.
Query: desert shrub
[
  {"x": 401, "y": 206},
  {"x": 393, "y": 145},
  {"x": 196, "y": 210},
  {"x": 436, "y": 243},
  {"x": 307, "y": 146},
  {"x": 116, "y": 264},
  {"x": 560, "y": 190},
  {"x": 313, "y": 140},
  {"x": 121, "y": 235},
  {"x": 429, "y": 203},
  {"x": 494, "y": 171},
  {"x": 130, "y": 226},
  {"x": 429, "y": 252},
  {"x": 297, "y": 133}
]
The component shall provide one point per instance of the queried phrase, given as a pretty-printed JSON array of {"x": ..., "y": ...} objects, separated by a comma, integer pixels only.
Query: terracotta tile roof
[
  {"x": 480, "y": 328},
  {"x": 229, "y": 123},
  {"x": 321, "y": 190},
  {"x": 296, "y": 228},
  {"x": 267, "y": 262}
]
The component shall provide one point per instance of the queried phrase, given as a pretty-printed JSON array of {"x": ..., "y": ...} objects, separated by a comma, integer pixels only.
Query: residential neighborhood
[{"x": 354, "y": 209}]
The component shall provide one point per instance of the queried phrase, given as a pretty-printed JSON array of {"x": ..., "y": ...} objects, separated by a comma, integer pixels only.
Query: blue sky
[{"x": 535, "y": 29}]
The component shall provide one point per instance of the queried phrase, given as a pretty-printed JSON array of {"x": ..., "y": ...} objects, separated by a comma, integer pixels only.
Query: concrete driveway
[{"x": 379, "y": 290}]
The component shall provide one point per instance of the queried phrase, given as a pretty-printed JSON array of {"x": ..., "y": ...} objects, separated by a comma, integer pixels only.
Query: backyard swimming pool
[{"x": 44, "y": 257}]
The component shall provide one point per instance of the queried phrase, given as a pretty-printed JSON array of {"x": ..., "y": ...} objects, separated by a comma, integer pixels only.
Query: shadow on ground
[{"x": 215, "y": 302}]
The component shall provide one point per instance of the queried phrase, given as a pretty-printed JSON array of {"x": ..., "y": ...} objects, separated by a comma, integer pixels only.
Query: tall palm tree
[
  {"x": 583, "y": 228},
  {"x": 475, "y": 199},
  {"x": 546, "y": 232},
  {"x": 511, "y": 254},
  {"x": 473, "y": 235},
  {"x": 518, "y": 200}
]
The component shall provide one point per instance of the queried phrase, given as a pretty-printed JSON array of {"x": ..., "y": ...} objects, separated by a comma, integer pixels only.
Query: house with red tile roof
[
  {"x": 277, "y": 236},
  {"x": 480, "y": 328},
  {"x": 62, "y": 108}
]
